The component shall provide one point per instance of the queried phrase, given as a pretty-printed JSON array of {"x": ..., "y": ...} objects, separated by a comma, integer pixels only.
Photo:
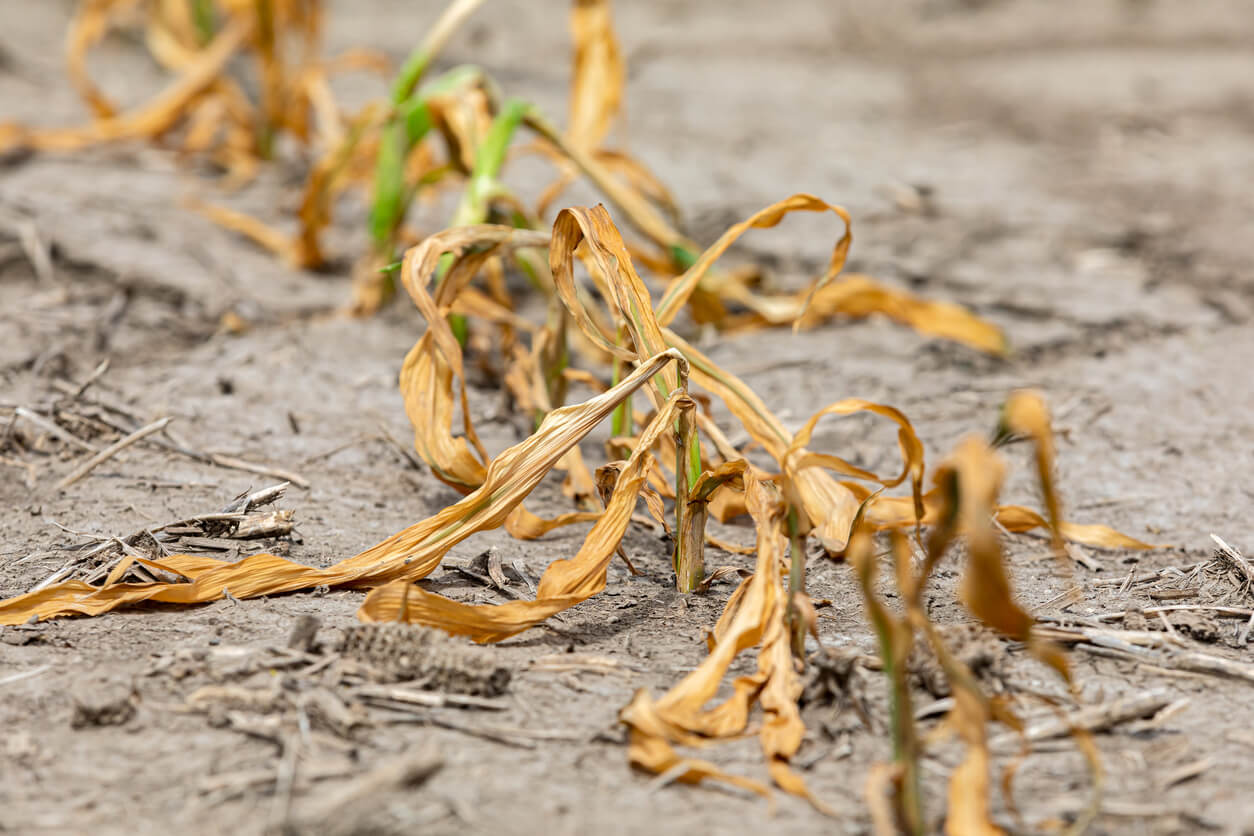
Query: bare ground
[{"x": 1086, "y": 168}]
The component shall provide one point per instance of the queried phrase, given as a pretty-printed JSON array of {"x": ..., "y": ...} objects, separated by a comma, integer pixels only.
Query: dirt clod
[{"x": 103, "y": 704}]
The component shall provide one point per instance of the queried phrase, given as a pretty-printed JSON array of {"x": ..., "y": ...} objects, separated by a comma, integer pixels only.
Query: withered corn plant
[
  {"x": 387, "y": 151},
  {"x": 677, "y": 454},
  {"x": 609, "y": 331}
]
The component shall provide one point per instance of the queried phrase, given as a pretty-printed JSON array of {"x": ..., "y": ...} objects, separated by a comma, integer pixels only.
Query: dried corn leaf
[
  {"x": 968, "y": 797},
  {"x": 859, "y": 296},
  {"x": 896, "y": 511},
  {"x": 1026, "y": 413},
  {"x": 596, "y": 89},
  {"x": 754, "y": 615},
  {"x": 974, "y": 474},
  {"x": 151, "y": 120},
  {"x": 260, "y": 233},
  {"x": 854, "y": 296},
  {"x": 408, "y": 555},
  {"x": 681, "y": 288},
  {"x": 435, "y": 361},
  {"x": 564, "y": 583},
  {"x": 829, "y": 505},
  {"x": 91, "y": 22},
  {"x": 907, "y": 440}
]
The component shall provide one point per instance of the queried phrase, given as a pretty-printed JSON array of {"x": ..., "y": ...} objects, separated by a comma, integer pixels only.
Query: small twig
[
  {"x": 326, "y": 454},
  {"x": 66, "y": 568},
  {"x": 1162, "y": 616},
  {"x": 1082, "y": 557},
  {"x": 1173, "y": 594},
  {"x": 261, "y": 469},
  {"x": 18, "y": 677},
  {"x": 1214, "y": 665},
  {"x": 1187, "y": 772},
  {"x": 1113, "y": 643},
  {"x": 178, "y": 445},
  {"x": 70, "y": 389},
  {"x": 235, "y": 783},
  {"x": 1063, "y": 599},
  {"x": 1090, "y": 718},
  {"x": 110, "y": 451},
  {"x": 668, "y": 777},
  {"x": 1221, "y": 612},
  {"x": 91, "y": 378},
  {"x": 427, "y": 699},
  {"x": 494, "y": 735},
  {"x": 37, "y": 251}
]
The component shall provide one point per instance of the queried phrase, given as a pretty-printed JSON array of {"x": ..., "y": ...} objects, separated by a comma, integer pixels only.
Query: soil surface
[{"x": 1077, "y": 172}]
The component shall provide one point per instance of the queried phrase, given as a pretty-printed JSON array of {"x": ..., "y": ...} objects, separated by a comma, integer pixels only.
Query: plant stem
[
  {"x": 690, "y": 515},
  {"x": 272, "y": 79},
  {"x": 905, "y": 743},
  {"x": 419, "y": 60},
  {"x": 635, "y": 208},
  {"x": 796, "y": 583},
  {"x": 409, "y": 124},
  {"x": 896, "y": 639},
  {"x": 620, "y": 424},
  {"x": 476, "y": 199},
  {"x": 489, "y": 158},
  {"x": 204, "y": 20}
]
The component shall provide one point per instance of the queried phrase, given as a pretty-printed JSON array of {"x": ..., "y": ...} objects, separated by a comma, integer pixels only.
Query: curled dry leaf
[
  {"x": 150, "y": 120},
  {"x": 754, "y": 617},
  {"x": 564, "y": 583},
  {"x": 408, "y": 555},
  {"x": 596, "y": 89}
]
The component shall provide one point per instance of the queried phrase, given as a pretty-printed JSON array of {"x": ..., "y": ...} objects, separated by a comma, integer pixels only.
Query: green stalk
[
  {"x": 796, "y": 583},
  {"x": 621, "y": 422},
  {"x": 204, "y": 19},
  {"x": 683, "y": 256},
  {"x": 896, "y": 638},
  {"x": 483, "y": 185},
  {"x": 389, "y": 188},
  {"x": 905, "y": 742},
  {"x": 419, "y": 60},
  {"x": 489, "y": 158},
  {"x": 409, "y": 124},
  {"x": 269, "y": 48},
  {"x": 638, "y": 211}
]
